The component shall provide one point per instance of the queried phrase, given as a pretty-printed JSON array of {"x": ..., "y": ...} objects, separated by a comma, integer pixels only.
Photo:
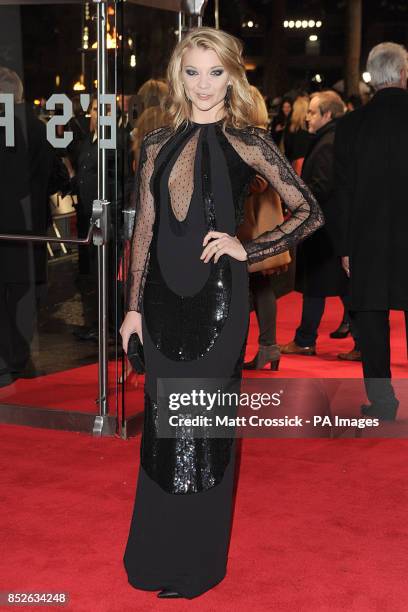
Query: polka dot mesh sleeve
[
  {"x": 143, "y": 228},
  {"x": 259, "y": 151},
  {"x": 181, "y": 179}
]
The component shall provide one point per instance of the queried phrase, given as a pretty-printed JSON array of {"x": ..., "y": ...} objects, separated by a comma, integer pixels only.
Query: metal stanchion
[{"x": 101, "y": 15}]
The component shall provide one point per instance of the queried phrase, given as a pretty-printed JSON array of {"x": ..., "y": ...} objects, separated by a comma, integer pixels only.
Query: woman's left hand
[{"x": 219, "y": 243}]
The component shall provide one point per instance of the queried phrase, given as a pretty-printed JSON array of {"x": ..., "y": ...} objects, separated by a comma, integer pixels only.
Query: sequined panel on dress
[
  {"x": 183, "y": 464},
  {"x": 185, "y": 328}
]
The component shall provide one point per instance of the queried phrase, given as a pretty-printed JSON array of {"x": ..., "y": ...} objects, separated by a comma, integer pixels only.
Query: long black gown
[{"x": 195, "y": 323}]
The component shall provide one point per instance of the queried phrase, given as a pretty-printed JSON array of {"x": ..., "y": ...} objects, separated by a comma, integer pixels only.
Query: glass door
[{"x": 60, "y": 212}]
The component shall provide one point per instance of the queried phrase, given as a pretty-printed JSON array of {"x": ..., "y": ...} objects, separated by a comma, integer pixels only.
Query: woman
[
  {"x": 150, "y": 94},
  {"x": 188, "y": 300},
  {"x": 85, "y": 185},
  {"x": 280, "y": 121},
  {"x": 151, "y": 118},
  {"x": 261, "y": 206},
  {"x": 296, "y": 137}
]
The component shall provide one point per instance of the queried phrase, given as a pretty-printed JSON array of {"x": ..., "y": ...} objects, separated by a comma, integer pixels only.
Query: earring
[{"x": 227, "y": 99}]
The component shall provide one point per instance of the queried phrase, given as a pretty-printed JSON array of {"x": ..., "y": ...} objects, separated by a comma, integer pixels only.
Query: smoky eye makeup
[{"x": 213, "y": 72}]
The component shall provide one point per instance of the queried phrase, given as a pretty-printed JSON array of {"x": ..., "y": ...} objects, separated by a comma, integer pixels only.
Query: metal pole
[
  {"x": 180, "y": 25},
  {"x": 217, "y": 14},
  {"x": 59, "y": 240},
  {"x": 195, "y": 11},
  {"x": 82, "y": 47},
  {"x": 102, "y": 249}
]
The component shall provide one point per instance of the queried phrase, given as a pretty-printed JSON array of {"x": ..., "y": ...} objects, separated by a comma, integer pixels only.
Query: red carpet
[
  {"x": 319, "y": 526},
  {"x": 77, "y": 389}
]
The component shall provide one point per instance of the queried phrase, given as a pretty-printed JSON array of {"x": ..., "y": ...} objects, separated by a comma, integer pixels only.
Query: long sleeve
[
  {"x": 257, "y": 148},
  {"x": 143, "y": 229}
]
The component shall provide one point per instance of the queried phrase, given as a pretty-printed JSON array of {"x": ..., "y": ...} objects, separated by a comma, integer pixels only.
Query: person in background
[
  {"x": 318, "y": 269},
  {"x": 344, "y": 329},
  {"x": 151, "y": 93},
  {"x": 79, "y": 126},
  {"x": 84, "y": 183},
  {"x": 151, "y": 119},
  {"x": 370, "y": 189},
  {"x": 31, "y": 171},
  {"x": 280, "y": 121},
  {"x": 296, "y": 137},
  {"x": 258, "y": 210},
  {"x": 354, "y": 101}
]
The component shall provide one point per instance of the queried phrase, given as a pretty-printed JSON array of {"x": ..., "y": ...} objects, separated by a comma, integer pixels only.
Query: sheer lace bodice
[{"x": 258, "y": 152}]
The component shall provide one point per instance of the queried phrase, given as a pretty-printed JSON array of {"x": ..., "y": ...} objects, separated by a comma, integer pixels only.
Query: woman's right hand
[{"x": 131, "y": 323}]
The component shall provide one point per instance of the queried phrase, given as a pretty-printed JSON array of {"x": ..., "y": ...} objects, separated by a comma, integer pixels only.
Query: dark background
[{"x": 278, "y": 59}]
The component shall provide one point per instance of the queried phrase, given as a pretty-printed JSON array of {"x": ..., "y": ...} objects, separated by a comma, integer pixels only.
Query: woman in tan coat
[{"x": 263, "y": 211}]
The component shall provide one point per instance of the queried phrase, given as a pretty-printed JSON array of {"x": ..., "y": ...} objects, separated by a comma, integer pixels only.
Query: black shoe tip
[{"x": 168, "y": 594}]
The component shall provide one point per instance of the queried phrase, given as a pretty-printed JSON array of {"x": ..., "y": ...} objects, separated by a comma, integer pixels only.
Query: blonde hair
[
  {"x": 11, "y": 83},
  {"x": 151, "y": 119},
  {"x": 151, "y": 93},
  {"x": 299, "y": 112},
  {"x": 259, "y": 111},
  {"x": 229, "y": 50}
]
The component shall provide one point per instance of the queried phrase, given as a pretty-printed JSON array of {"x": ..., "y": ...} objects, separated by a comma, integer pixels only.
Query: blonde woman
[
  {"x": 150, "y": 114},
  {"x": 151, "y": 93},
  {"x": 151, "y": 119},
  {"x": 188, "y": 301},
  {"x": 297, "y": 139}
]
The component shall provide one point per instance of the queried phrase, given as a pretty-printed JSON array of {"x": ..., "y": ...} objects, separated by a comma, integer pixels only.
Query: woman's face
[
  {"x": 94, "y": 116},
  {"x": 286, "y": 108},
  {"x": 205, "y": 82}
]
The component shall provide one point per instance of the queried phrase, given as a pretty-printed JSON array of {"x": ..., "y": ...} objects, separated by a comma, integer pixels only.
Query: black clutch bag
[{"x": 135, "y": 354}]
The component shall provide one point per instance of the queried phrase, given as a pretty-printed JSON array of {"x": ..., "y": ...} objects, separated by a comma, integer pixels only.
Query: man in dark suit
[
  {"x": 370, "y": 183},
  {"x": 319, "y": 273},
  {"x": 30, "y": 173}
]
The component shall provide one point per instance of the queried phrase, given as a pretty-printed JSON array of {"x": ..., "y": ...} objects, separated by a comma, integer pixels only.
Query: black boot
[
  {"x": 266, "y": 354},
  {"x": 168, "y": 594}
]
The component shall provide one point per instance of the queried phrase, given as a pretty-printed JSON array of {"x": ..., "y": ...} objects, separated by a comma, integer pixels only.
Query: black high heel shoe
[
  {"x": 266, "y": 354},
  {"x": 342, "y": 331},
  {"x": 168, "y": 594}
]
